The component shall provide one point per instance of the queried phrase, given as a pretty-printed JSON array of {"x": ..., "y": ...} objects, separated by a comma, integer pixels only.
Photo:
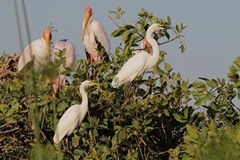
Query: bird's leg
[
  {"x": 126, "y": 93},
  {"x": 153, "y": 72},
  {"x": 89, "y": 117},
  {"x": 56, "y": 86},
  {"x": 92, "y": 74},
  {"x": 91, "y": 59},
  {"x": 67, "y": 142}
]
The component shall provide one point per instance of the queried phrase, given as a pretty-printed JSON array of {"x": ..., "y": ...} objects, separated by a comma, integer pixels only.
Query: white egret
[
  {"x": 38, "y": 50},
  {"x": 74, "y": 115},
  {"x": 143, "y": 60},
  {"x": 94, "y": 37},
  {"x": 70, "y": 56}
]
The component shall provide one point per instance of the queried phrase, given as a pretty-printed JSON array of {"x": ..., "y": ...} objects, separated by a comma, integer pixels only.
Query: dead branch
[
  {"x": 113, "y": 21},
  {"x": 12, "y": 122},
  {"x": 9, "y": 67}
]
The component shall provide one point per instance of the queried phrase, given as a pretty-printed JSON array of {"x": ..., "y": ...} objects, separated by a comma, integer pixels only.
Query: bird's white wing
[
  {"x": 70, "y": 54},
  {"x": 28, "y": 53},
  {"x": 134, "y": 67},
  {"x": 25, "y": 57},
  {"x": 101, "y": 35},
  {"x": 67, "y": 123}
]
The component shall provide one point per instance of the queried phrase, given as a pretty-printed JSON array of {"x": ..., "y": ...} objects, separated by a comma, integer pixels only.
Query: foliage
[
  {"x": 209, "y": 142},
  {"x": 159, "y": 116}
]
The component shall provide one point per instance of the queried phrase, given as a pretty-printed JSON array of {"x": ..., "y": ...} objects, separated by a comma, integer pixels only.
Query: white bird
[
  {"x": 70, "y": 56},
  {"x": 94, "y": 37},
  {"x": 74, "y": 115},
  {"x": 38, "y": 50},
  {"x": 143, "y": 60}
]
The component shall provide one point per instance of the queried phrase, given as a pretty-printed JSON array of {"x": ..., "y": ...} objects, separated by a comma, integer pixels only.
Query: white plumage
[
  {"x": 70, "y": 57},
  {"x": 94, "y": 37},
  {"x": 74, "y": 115},
  {"x": 137, "y": 64},
  {"x": 38, "y": 50}
]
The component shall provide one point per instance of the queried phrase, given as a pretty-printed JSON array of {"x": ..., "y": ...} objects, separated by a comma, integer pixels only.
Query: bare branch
[
  {"x": 169, "y": 40},
  {"x": 113, "y": 21},
  {"x": 12, "y": 122},
  {"x": 11, "y": 130}
]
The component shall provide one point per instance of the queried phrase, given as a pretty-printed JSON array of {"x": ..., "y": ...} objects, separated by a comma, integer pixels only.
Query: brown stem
[{"x": 113, "y": 21}]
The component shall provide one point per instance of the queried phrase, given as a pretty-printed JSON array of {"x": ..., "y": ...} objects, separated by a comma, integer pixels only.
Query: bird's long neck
[
  {"x": 155, "y": 50},
  {"x": 84, "y": 96}
]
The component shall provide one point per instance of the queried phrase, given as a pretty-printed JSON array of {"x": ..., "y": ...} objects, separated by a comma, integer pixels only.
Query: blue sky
[{"x": 212, "y": 35}]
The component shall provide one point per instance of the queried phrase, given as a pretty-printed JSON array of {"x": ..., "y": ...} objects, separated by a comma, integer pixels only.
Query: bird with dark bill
[{"x": 94, "y": 37}]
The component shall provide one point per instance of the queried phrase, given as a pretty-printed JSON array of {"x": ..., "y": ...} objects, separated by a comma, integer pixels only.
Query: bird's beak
[
  {"x": 47, "y": 37},
  {"x": 48, "y": 46},
  {"x": 85, "y": 22}
]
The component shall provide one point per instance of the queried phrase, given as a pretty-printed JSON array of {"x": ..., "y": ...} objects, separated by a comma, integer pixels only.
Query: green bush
[{"x": 156, "y": 117}]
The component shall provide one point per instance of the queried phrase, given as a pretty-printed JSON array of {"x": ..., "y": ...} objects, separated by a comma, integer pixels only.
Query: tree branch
[
  {"x": 113, "y": 21},
  {"x": 169, "y": 40},
  {"x": 11, "y": 130}
]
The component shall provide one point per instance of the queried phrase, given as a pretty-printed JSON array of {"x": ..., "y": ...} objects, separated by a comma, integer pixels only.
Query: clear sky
[{"x": 212, "y": 35}]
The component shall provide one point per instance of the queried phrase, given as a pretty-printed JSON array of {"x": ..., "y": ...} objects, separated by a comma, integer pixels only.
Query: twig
[
  {"x": 8, "y": 66},
  {"x": 113, "y": 21},
  {"x": 11, "y": 130},
  {"x": 139, "y": 147},
  {"x": 123, "y": 20},
  {"x": 8, "y": 72},
  {"x": 143, "y": 141},
  {"x": 169, "y": 40},
  {"x": 12, "y": 122},
  {"x": 140, "y": 49}
]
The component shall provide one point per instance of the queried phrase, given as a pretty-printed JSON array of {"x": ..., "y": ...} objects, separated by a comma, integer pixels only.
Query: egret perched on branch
[
  {"x": 143, "y": 60},
  {"x": 38, "y": 51},
  {"x": 94, "y": 37},
  {"x": 70, "y": 56},
  {"x": 74, "y": 115}
]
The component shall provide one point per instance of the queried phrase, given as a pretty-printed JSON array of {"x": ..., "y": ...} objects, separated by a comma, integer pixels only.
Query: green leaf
[
  {"x": 3, "y": 108},
  {"x": 212, "y": 83},
  {"x": 85, "y": 125},
  {"x": 211, "y": 96},
  {"x": 145, "y": 123},
  {"x": 63, "y": 105},
  {"x": 192, "y": 131},
  {"x": 114, "y": 140},
  {"x": 184, "y": 86},
  {"x": 185, "y": 112},
  {"x": 167, "y": 67},
  {"x": 135, "y": 123},
  {"x": 14, "y": 107},
  {"x": 179, "y": 118},
  {"x": 166, "y": 112},
  {"x": 128, "y": 27},
  {"x": 201, "y": 101},
  {"x": 169, "y": 20},
  {"x": 213, "y": 106},
  {"x": 118, "y": 32},
  {"x": 118, "y": 9},
  {"x": 237, "y": 62},
  {"x": 75, "y": 140},
  {"x": 126, "y": 35}
]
